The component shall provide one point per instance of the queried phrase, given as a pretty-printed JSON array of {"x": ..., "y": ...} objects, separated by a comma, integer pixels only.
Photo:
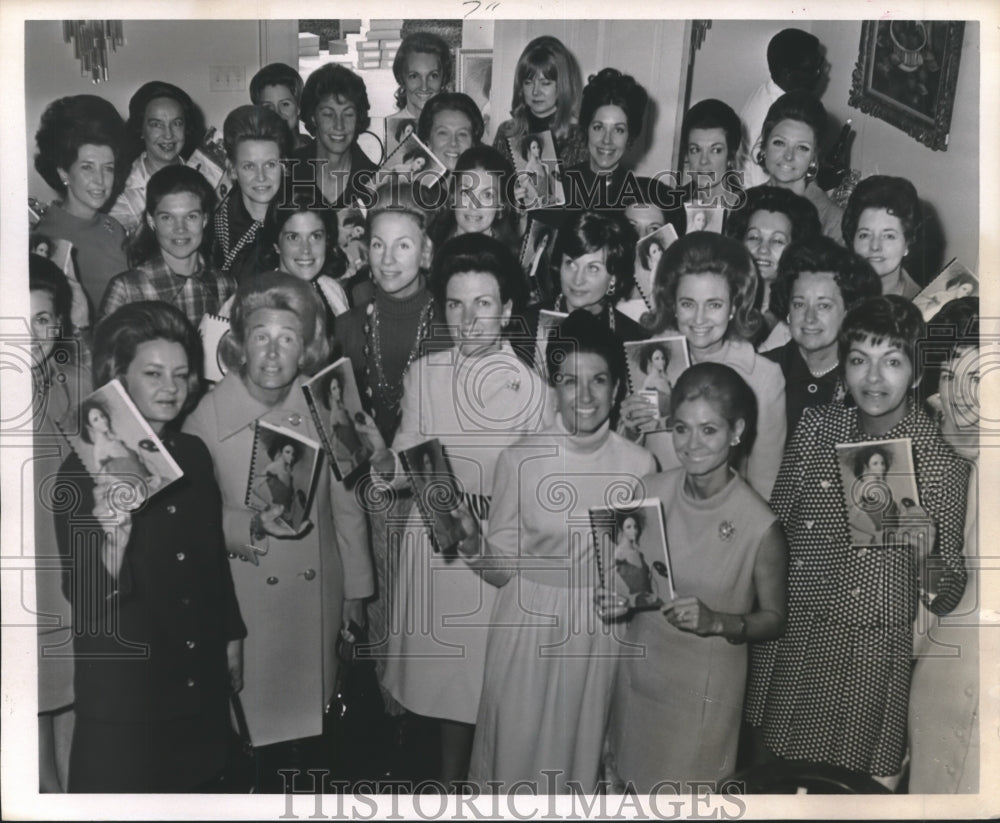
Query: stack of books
[{"x": 384, "y": 38}]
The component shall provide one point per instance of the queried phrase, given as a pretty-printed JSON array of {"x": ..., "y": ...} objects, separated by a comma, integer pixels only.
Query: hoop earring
[
  {"x": 611, "y": 288},
  {"x": 812, "y": 170},
  {"x": 760, "y": 158}
]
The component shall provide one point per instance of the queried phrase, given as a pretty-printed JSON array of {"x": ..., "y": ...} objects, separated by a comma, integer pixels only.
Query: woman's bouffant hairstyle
[
  {"x": 801, "y": 213},
  {"x": 399, "y": 196},
  {"x": 853, "y": 275},
  {"x": 609, "y": 87},
  {"x": 896, "y": 195},
  {"x": 727, "y": 392},
  {"x": 86, "y": 407},
  {"x": 275, "y": 74},
  {"x": 71, "y": 122},
  {"x": 546, "y": 55},
  {"x": 277, "y": 446},
  {"x": 119, "y": 335},
  {"x": 255, "y": 123},
  {"x": 451, "y": 101},
  {"x": 646, "y": 355},
  {"x": 589, "y": 232},
  {"x": 526, "y": 142},
  {"x": 859, "y": 464},
  {"x": 339, "y": 82},
  {"x": 637, "y": 516},
  {"x": 889, "y": 318},
  {"x": 800, "y": 106},
  {"x": 176, "y": 179},
  {"x": 194, "y": 120},
  {"x": 285, "y": 292},
  {"x": 713, "y": 114},
  {"x": 420, "y": 42},
  {"x": 644, "y": 256},
  {"x": 46, "y": 276},
  {"x": 282, "y": 209},
  {"x": 705, "y": 252},
  {"x": 478, "y": 253},
  {"x": 953, "y": 329},
  {"x": 585, "y": 333}
]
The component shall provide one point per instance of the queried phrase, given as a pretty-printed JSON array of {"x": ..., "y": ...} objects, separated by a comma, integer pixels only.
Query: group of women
[{"x": 801, "y": 337}]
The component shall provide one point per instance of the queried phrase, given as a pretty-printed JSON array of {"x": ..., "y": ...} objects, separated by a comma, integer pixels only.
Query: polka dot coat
[{"x": 834, "y": 689}]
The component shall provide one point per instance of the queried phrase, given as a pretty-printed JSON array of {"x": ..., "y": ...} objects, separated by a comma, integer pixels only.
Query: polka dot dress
[{"x": 835, "y": 688}]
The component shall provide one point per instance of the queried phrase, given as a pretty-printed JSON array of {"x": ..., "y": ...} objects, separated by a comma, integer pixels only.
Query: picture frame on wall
[{"x": 906, "y": 75}]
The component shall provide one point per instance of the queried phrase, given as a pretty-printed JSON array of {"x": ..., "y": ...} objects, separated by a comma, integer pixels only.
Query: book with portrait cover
[
  {"x": 647, "y": 362},
  {"x": 954, "y": 281},
  {"x": 111, "y": 437},
  {"x": 436, "y": 490},
  {"x": 647, "y": 256},
  {"x": 282, "y": 470},
  {"x": 536, "y": 167},
  {"x": 213, "y": 330},
  {"x": 335, "y": 404},
  {"x": 633, "y": 558},
  {"x": 414, "y": 160}
]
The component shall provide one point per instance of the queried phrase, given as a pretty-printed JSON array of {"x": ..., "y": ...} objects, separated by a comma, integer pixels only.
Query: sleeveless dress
[{"x": 678, "y": 699}]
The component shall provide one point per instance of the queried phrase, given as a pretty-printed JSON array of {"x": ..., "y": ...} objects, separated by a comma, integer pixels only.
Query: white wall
[
  {"x": 179, "y": 52},
  {"x": 659, "y": 65}
]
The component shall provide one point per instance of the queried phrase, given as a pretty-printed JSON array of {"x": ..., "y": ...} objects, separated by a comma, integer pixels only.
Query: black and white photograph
[
  {"x": 248, "y": 279},
  {"x": 332, "y": 395}
]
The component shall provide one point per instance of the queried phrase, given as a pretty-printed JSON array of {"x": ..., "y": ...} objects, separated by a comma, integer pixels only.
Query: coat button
[
  {"x": 190, "y": 682},
  {"x": 812, "y": 388},
  {"x": 271, "y": 581},
  {"x": 190, "y": 644},
  {"x": 171, "y": 509},
  {"x": 294, "y": 418},
  {"x": 180, "y": 557},
  {"x": 309, "y": 574}
]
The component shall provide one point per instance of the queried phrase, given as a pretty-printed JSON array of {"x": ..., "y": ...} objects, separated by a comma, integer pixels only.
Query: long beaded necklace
[
  {"x": 380, "y": 391},
  {"x": 221, "y": 229}
]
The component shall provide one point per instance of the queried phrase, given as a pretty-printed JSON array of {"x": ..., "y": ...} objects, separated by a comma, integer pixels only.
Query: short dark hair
[
  {"x": 194, "y": 120},
  {"x": 853, "y": 275},
  {"x": 119, "y": 335},
  {"x": 801, "y": 107},
  {"x": 71, "y": 122},
  {"x": 897, "y": 195},
  {"x": 705, "y": 252},
  {"x": 794, "y": 59},
  {"x": 46, "y": 276},
  {"x": 334, "y": 80},
  {"x": 526, "y": 142},
  {"x": 278, "y": 443},
  {"x": 712, "y": 114},
  {"x": 585, "y": 333},
  {"x": 727, "y": 392},
  {"x": 451, "y": 101},
  {"x": 251, "y": 122},
  {"x": 424, "y": 42},
  {"x": 283, "y": 208},
  {"x": 860, "y": 458},
  {"x": 609, "y": 87},
  {"x": 637, "y": 516},
  {"x": 174, "y": 179},
  {"x": 86, "y": 407},
  {"x": 478, "y": 253},
  {"x": 588, "y": 232},
  {"x": 643, "y": 249},
  {"x": 275, "y": 74},
  {"x": 801, "y": 213},
  {"x": 886, "y": 317},
  {"x": 646, "y": 354}
]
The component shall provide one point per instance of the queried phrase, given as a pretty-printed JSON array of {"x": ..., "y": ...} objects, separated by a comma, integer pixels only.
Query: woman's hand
[
  {"x": 637, "y": 414},
  {"x": 610, "y": 605},
  {"x": 269, "y": 521},
  {"x": 353, "y": 611},
  {"x": 689, "y": 614},
  {"x": 910, "y": 526},
  {"x": 234, "y": 662},
  {"x": 470, "y": 545}
]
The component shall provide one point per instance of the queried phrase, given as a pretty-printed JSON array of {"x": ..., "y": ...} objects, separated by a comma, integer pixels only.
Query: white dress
[{"x": 439, "y": 608}]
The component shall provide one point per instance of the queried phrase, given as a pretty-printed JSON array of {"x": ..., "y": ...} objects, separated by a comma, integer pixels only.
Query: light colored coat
[{"x": 292, "y": 598}]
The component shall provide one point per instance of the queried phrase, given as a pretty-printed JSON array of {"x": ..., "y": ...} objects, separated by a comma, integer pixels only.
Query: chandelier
[{"x": 92, "y": 40}]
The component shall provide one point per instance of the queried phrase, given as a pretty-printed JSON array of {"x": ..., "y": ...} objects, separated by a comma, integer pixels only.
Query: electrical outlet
[{"x": 227, "y": 78}]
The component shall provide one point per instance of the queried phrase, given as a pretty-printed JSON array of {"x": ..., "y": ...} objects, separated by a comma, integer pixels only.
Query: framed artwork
[{"x": 906, "y": 75}]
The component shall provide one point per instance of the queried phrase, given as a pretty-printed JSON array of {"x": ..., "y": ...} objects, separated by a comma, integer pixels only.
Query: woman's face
[
  {"x": 280, "y": 100},
  {"x": 630, "y": 529},
  {"x": 879, "y": 238},
  {"x": 657, "y": 360},
  {"x": 767, "y": 236},
  {"x": 163, "y": 131},
  {"x": 654, "y": 255},
  {"x": 336, "y": 393},
  {"x": 645, "y": 218},
  {"x": 336, "y": 121},
  {"x": 179, "y": 225},
  {"x": 417, "y": 163},
  {"x": 302, "y": 245},
  {"x": 790, "y": 148},
  {"x": 421, "y": 79},
  {"x": 875, "y": 467},
  {"x": 257, "y": 169},
  {"x": 703, "y": 308},
  {"x": 157, "y": 381},
  {"x": 963, "y": 290},
  {"x": 540, "y": 94},
  {"x": 959, "y": 387},
  {"x": 698, "y": 221},
  {"x": 815, "y": 311},
  {"x": 703, "y": 438},
  {"x": 89, "y": 180},
  {"x": 586, "y": 280},
  {"x": 273, "y": 349},
  {"x": 607, "y": 138},
  {"x": 879, "y": 377},
  {"x": 479, "y": 202},
  {"x": 98, "y": 421},
  {"x": 288, "y": 454},
  {"x": 396, "y": 251},
  {"x": 585, "y": 392},
  {"x": 44, "y": 324},
  {"x": 475, "y": 312},
  {"x": 535, "y": 148},
  {"x": 707, "y": 157},
  {"x": 451, "y": 134}
]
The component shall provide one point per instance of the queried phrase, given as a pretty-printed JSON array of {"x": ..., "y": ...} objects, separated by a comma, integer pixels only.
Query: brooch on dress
[{"x": 726, "y": 530}]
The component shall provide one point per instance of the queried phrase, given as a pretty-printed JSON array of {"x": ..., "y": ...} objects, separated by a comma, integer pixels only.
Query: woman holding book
[
  {"x": 295, "y": 587},
  {"x": 476, "y": 398},
  {"x": 675, "y": 714},
  {"x": 157, "y": 631}
]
